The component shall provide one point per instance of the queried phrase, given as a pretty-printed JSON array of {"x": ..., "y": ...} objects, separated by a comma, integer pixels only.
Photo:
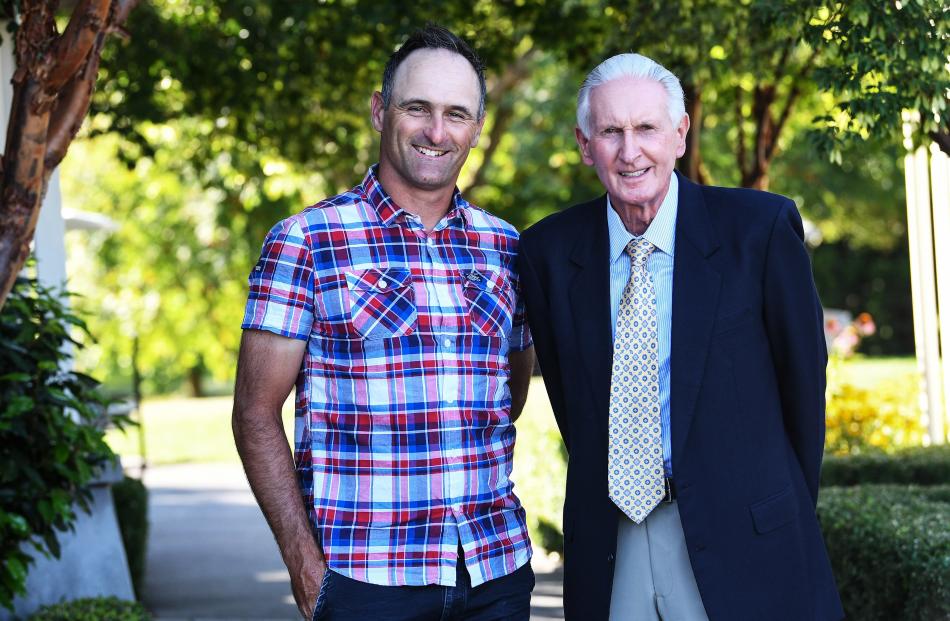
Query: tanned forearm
[
  {"x": 268, "y": 463},
  {"x": 522, "y": 366},
  {"x": 267, "y": 367}
]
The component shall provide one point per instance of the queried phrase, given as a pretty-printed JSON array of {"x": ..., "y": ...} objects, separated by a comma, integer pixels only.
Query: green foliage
[
  {"x": 890, "y": 551},
  {"x": 93, "y": 609},
  {"x": 51, "y": 440},
  {"x": 130, "y": 497},
  {"x": 918, "y": 466},
  {"x": 886, "y": 57},
  {"x": 276, "y": 117}
]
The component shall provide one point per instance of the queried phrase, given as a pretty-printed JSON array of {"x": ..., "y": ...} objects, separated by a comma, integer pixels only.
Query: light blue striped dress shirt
[{"x": 662, "y": 234}]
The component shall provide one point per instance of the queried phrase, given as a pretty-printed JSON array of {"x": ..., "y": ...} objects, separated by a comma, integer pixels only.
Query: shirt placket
[{"x": 440, "y": 278}]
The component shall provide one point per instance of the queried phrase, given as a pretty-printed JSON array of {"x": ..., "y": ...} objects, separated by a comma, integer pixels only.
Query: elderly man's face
[
  {"x": 633, "y": 145},
  {"x": 432, "y": 121}
]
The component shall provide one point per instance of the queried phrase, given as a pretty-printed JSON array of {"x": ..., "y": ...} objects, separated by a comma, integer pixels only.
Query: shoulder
[
  {"x": 564, "y": 224},
  {"x": 483, "y": 221},
  {"x": 755, "y": 204},
  {"x": 311, "y": 223},
  {"x": 746, "y": 210}
]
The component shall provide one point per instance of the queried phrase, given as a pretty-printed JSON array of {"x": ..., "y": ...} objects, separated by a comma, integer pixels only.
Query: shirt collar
[
  {"x": 661, "y": 232},
  {"x": 389, "y": 211}
]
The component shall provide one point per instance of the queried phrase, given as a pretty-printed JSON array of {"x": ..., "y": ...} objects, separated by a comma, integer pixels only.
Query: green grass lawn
[
  {"x": 180, "y": 430},
  {"x": 870, "y": 372}
]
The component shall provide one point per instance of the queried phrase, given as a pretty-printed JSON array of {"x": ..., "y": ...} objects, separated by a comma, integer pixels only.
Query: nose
[
  {"x": 630, "y": 148},
  {"x": 435, "y": 129}
]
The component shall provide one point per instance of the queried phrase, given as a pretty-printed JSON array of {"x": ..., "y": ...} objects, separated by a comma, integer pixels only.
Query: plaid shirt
[{"x": 404, "y": 440}]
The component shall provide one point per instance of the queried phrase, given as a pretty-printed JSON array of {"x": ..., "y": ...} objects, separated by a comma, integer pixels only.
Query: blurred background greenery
[{"x": 214, "y": 119}]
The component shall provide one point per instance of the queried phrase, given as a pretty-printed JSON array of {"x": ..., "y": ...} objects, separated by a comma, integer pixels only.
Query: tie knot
[{"x": 639, "y": 249}]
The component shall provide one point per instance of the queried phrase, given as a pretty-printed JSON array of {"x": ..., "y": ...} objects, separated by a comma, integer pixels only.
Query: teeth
[
  {"x": 430, "y": 152},
  {"x": 633, "y": 174}
]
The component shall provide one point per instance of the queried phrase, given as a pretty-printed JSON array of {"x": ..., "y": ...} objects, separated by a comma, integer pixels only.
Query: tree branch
[
  {"x": 942, "y": 138},
  {"x": 504, "y": 113},
  {"x": 792, "y": 98},
  {"x": 70, "y": 110},
  {"x": 740, "y": 133},
  {"x": 70, "y": 50}
]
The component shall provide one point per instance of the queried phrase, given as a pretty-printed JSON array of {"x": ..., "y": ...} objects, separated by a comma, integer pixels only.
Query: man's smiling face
[
  {"x": 633, "y": 143},
  {"x": 431, "y": 123}
]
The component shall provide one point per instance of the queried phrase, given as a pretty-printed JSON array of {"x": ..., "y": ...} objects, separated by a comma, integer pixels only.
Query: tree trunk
[
  {"x": 691, "y": 164},
  {"x": 52, "y": 87},
  {"x": 196, "y": 377}
]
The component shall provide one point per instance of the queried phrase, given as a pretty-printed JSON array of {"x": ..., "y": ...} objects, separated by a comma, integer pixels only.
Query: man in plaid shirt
[{"x": 394, "y": 309}]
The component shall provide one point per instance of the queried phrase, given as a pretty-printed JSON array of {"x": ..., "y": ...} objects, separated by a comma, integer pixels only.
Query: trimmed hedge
[
  {"x": 890, "y": 550},
  {"x": 93, "y": 609},
  {"x": 131, "y": 509},
  {"x": 921, "y": 466}
]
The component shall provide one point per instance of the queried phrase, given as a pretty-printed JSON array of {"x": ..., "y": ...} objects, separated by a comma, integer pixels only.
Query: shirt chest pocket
[
  {"x": 382, "y": 303},
  {"x": 490, "y": 302}
]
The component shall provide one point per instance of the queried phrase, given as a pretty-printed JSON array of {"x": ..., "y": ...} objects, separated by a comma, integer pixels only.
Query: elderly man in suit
[{"x": 680, "y": 338}]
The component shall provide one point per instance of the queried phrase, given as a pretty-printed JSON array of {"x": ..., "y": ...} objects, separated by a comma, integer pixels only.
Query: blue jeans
[{"x": 503, "y": 599}]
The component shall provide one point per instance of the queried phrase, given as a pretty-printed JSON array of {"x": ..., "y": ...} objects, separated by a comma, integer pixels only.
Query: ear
[
  {"x": 478, "y": 132},
  {"x": 681, "y": 130},
  {"x": 583, "y": 142},
  {"x": 378, "y": 110}
]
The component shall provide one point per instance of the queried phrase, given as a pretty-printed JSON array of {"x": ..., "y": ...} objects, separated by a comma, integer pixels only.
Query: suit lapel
[
  {"x": 590, "y": 304},
  {"x": 696, "y": 285}
]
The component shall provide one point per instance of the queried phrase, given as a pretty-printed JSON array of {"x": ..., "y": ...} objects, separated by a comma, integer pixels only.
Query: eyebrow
[{"x": 427, "y": 103}]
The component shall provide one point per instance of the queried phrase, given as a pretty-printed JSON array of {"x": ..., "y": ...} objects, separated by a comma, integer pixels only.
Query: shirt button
[
  {"x": 430, "y": 242},
  {"x": 447, "y": 342},
  {"x": 610, "y": 558},
  {"x": 382, "y": 284}
]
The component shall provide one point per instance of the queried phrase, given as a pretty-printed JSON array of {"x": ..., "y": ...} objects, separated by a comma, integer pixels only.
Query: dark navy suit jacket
[{"x": 746, "y": 400}]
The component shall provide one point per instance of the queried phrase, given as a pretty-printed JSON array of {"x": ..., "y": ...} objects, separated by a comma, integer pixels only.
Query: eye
[
  {"x": 415, "y": 109},
  {"x": 457, "y": 116},
  {"x": 611, "y": 130}
]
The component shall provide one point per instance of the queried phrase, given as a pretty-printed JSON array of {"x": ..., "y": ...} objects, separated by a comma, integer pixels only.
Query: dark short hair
[{"x": 434, "y": 37}]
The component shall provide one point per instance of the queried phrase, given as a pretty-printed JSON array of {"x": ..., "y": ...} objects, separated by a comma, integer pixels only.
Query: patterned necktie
[{"x": 635, "y": 458}]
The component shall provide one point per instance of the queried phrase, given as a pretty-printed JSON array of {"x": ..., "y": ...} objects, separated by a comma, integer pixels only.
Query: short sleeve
[{"x": 280, "y": 295}]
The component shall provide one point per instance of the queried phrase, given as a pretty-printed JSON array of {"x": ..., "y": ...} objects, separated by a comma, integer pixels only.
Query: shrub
[
  {"x": 890, "y": 550},
  {"x": 883, "y": 419},
  {"x": 93, "y": 609},
  {"x": 921, "y": 466},
  {"x": 50, "y": 442},
  {"x": 131, "y": 508}
]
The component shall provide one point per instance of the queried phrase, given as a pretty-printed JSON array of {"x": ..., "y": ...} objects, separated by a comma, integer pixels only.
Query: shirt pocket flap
[
  {"x": 379, "y": 280},
  {"x": 484, "y": 280},
  {"x": 774, "y": 511}
]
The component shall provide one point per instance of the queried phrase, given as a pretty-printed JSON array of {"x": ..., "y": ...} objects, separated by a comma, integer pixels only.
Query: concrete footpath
[{"x": 211, "y": 556}]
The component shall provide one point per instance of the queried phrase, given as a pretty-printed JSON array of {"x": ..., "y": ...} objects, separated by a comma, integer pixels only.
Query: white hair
[{"x": 633, "y": 66}]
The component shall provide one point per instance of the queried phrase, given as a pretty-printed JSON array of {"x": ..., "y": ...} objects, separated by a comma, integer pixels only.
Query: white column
[
  {"x": 923, "y": 280},
  {"x": 940, "y": 195}
]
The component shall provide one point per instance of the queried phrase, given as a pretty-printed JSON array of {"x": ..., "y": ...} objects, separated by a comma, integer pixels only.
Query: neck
[
  {"x": 429, "y": 205},
  {"x": 635, "y": 218}
]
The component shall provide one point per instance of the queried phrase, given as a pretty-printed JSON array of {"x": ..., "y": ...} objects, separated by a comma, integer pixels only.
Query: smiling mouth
[
  {"x": 429, "y": 152},
  {"x": 634, "y": 174}
]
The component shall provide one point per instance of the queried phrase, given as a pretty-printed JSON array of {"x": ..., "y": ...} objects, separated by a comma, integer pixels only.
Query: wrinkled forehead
[
  {"x": 626, "y": 100},
  {"x": 436, "y": 75}
]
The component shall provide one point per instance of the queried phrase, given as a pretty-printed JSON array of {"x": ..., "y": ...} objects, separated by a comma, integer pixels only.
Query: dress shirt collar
[
  {"x": 389, "y": 211},
  {"x": 661, "y": 232}
]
